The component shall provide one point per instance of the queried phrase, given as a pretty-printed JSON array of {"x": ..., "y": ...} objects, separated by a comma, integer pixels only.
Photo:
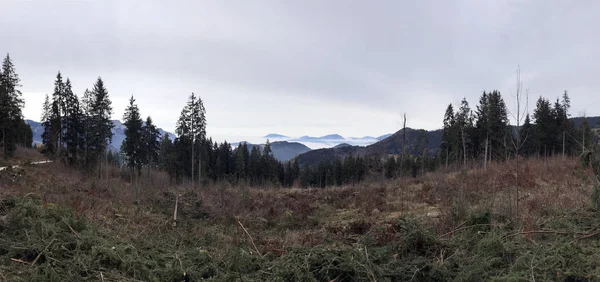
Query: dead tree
[{"x": 518, "y": 143}]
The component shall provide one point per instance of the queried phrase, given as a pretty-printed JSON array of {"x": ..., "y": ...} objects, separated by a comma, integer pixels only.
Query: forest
[{"x": 77, "y": 131}]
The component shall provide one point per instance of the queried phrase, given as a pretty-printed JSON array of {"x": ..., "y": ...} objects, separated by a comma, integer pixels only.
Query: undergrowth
[{"x": 53, "y": 243}]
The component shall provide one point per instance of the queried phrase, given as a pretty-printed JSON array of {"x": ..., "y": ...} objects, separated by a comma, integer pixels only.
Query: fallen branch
[
  {"x": 19, "y": 261},
  {"x": 72, "y": 230},
  {"x": 467, "y": 227},
  {"x": 541, "y": 232},
  {"x": 251, "y": 240},
  {"x": 175, "y": 212},
  {"x": 40, "y": 254},
  {"x": 588, "y": 236}
]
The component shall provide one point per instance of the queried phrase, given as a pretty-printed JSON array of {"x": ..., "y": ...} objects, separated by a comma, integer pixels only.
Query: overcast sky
[{"x": 305, "y": 67}]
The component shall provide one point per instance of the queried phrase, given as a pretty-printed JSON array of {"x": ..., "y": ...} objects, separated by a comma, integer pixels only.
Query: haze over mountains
[{"x": 310, "y": 150}]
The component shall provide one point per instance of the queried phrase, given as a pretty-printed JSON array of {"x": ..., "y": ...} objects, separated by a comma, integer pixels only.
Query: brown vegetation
[{"x": 276, "y": 221}]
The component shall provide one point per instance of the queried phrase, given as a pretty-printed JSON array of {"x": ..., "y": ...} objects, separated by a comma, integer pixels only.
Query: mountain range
[
  {"x": 392, "y": 144},
  {"x": 285, "y": 148},
  {"x": 118, "y": 133}
]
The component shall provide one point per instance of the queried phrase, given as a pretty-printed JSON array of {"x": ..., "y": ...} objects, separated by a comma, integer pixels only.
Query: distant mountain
[
  {"x": 275, "y": 136},
  {"x": 391, "y": 145},
  {"x": 117, "y": 139},
  {"x": 282, "y": 150},
  {"x": 342, "y": 145},
  {"x": 332, "y": 137},
  {"x": 326, "y": 138},
  {"x": 594, "y": 122},
  {"x": 285, "y": 151},
  {"x": 383, "y": 136}
]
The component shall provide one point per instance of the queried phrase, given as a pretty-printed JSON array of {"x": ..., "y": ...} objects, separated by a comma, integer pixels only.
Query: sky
[{"x": 305, "y": 67}]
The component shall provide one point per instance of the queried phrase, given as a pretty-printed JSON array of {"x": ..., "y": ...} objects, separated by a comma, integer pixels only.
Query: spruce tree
[
  {"x": 11, "y": 104},
  {"x": 151, "y": 137},
  {"x": 192, "y": 127},
  {"x": 99, "y": 131},
  {"x": 47, "y": 140},
  {"x": 449, "y": 142},
  {"x": 73, "y": 132},
  {"x": 133, "y": 146},
  {"x": 240, "y": 164},
  {"x": 59, "y": 104},
  {"x": 545, "y": 127}
]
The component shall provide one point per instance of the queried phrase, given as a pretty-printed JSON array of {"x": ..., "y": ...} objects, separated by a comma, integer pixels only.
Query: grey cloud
[{"x": 387, "y": 57}]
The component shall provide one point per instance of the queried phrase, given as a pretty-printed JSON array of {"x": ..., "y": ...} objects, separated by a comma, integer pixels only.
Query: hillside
[
  {"x": 390, "y": 145},
  {"x": 282, "y": 150},
  {"x": 59, "y": 224}
]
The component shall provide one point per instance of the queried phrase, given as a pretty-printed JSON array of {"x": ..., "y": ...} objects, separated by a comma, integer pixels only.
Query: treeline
[
  {"x": 486, "y": 133},
  {"x": 194, "y": 156},
  {"x": 353, "y": 170},
  {"x": 77, "y": 131},
  {"x": 13, "y": 129}
]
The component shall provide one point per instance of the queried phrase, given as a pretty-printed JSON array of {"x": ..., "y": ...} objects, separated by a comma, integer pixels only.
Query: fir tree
[
  {"x": 133, "y": 146},
  {"x": 99, "y": 131},
  {"x": 11, "y": 103},
  {"x": 73, "y": 132},
  {"x": 151, "y": 137},
  {"x": 47, "y": 139}
]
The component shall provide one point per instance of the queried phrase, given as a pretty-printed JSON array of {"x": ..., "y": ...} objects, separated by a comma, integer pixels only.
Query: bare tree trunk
[
  {"x": 564, "y": 133},
  {"x": 200, "y": 168},
  {"x": 403, "y": 144},
  {"x": 486, "y": 154},
  {"x": 462, "y": 131},
  {"x": 447, "y": 155},
  {"x": 4, "y": 142},
  {"x": 583, "y": 138}
]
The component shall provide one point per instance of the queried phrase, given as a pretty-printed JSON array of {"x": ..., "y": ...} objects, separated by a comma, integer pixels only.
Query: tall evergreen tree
[
  {"x": 464, "y": 120},
  {"x": 11, "y": 103},
  {"x": 545, "y": 127},
  {"x": 133, "y": 146},
  {"x": 151, "y": 137},
  {"x": 527, "y": 138},
  {"x": 192, "y": 127},
  {"x": 73, "y": 132},
  {"x": 47, "y": 138},
  {"x": 450, "y": 143},
  {"x": 58, "y": 106},
  {"x": 99, "y": 134}
]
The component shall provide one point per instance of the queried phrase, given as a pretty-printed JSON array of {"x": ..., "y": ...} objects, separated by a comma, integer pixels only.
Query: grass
[{"x": 443, "y": 227}]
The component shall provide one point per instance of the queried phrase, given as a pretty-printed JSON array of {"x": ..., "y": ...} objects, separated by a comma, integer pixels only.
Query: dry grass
[{"x": 282, "y": 220}]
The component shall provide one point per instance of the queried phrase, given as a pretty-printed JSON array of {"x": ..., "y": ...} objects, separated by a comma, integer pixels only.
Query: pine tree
[
  {"x": 47, "y": 139},
  {"x": 99, "y": 133},
  {"x": 151, "y": 137},
  {"x": 167, "y": 157},
  {"x": 449, "y": 135},
  {"x": 545, "y": 126},
  {"x": 59, "y": 104},
  {"x": 133, "y": 146},
  {"x": 86, "y": 124},
  {"x": 491, "y": 127},
  {"x": 73, "y": 132},
  {"x": 192, "y": 126},
  {"x": 11, "y": 103},
  {"x": 240, "y": 163},
  {"x": 527, "y": 138},
  {"x": 464, "y": 120}
]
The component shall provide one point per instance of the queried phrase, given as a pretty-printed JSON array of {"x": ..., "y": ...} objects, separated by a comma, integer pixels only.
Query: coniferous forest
[{"x": 77, "y": 131}]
